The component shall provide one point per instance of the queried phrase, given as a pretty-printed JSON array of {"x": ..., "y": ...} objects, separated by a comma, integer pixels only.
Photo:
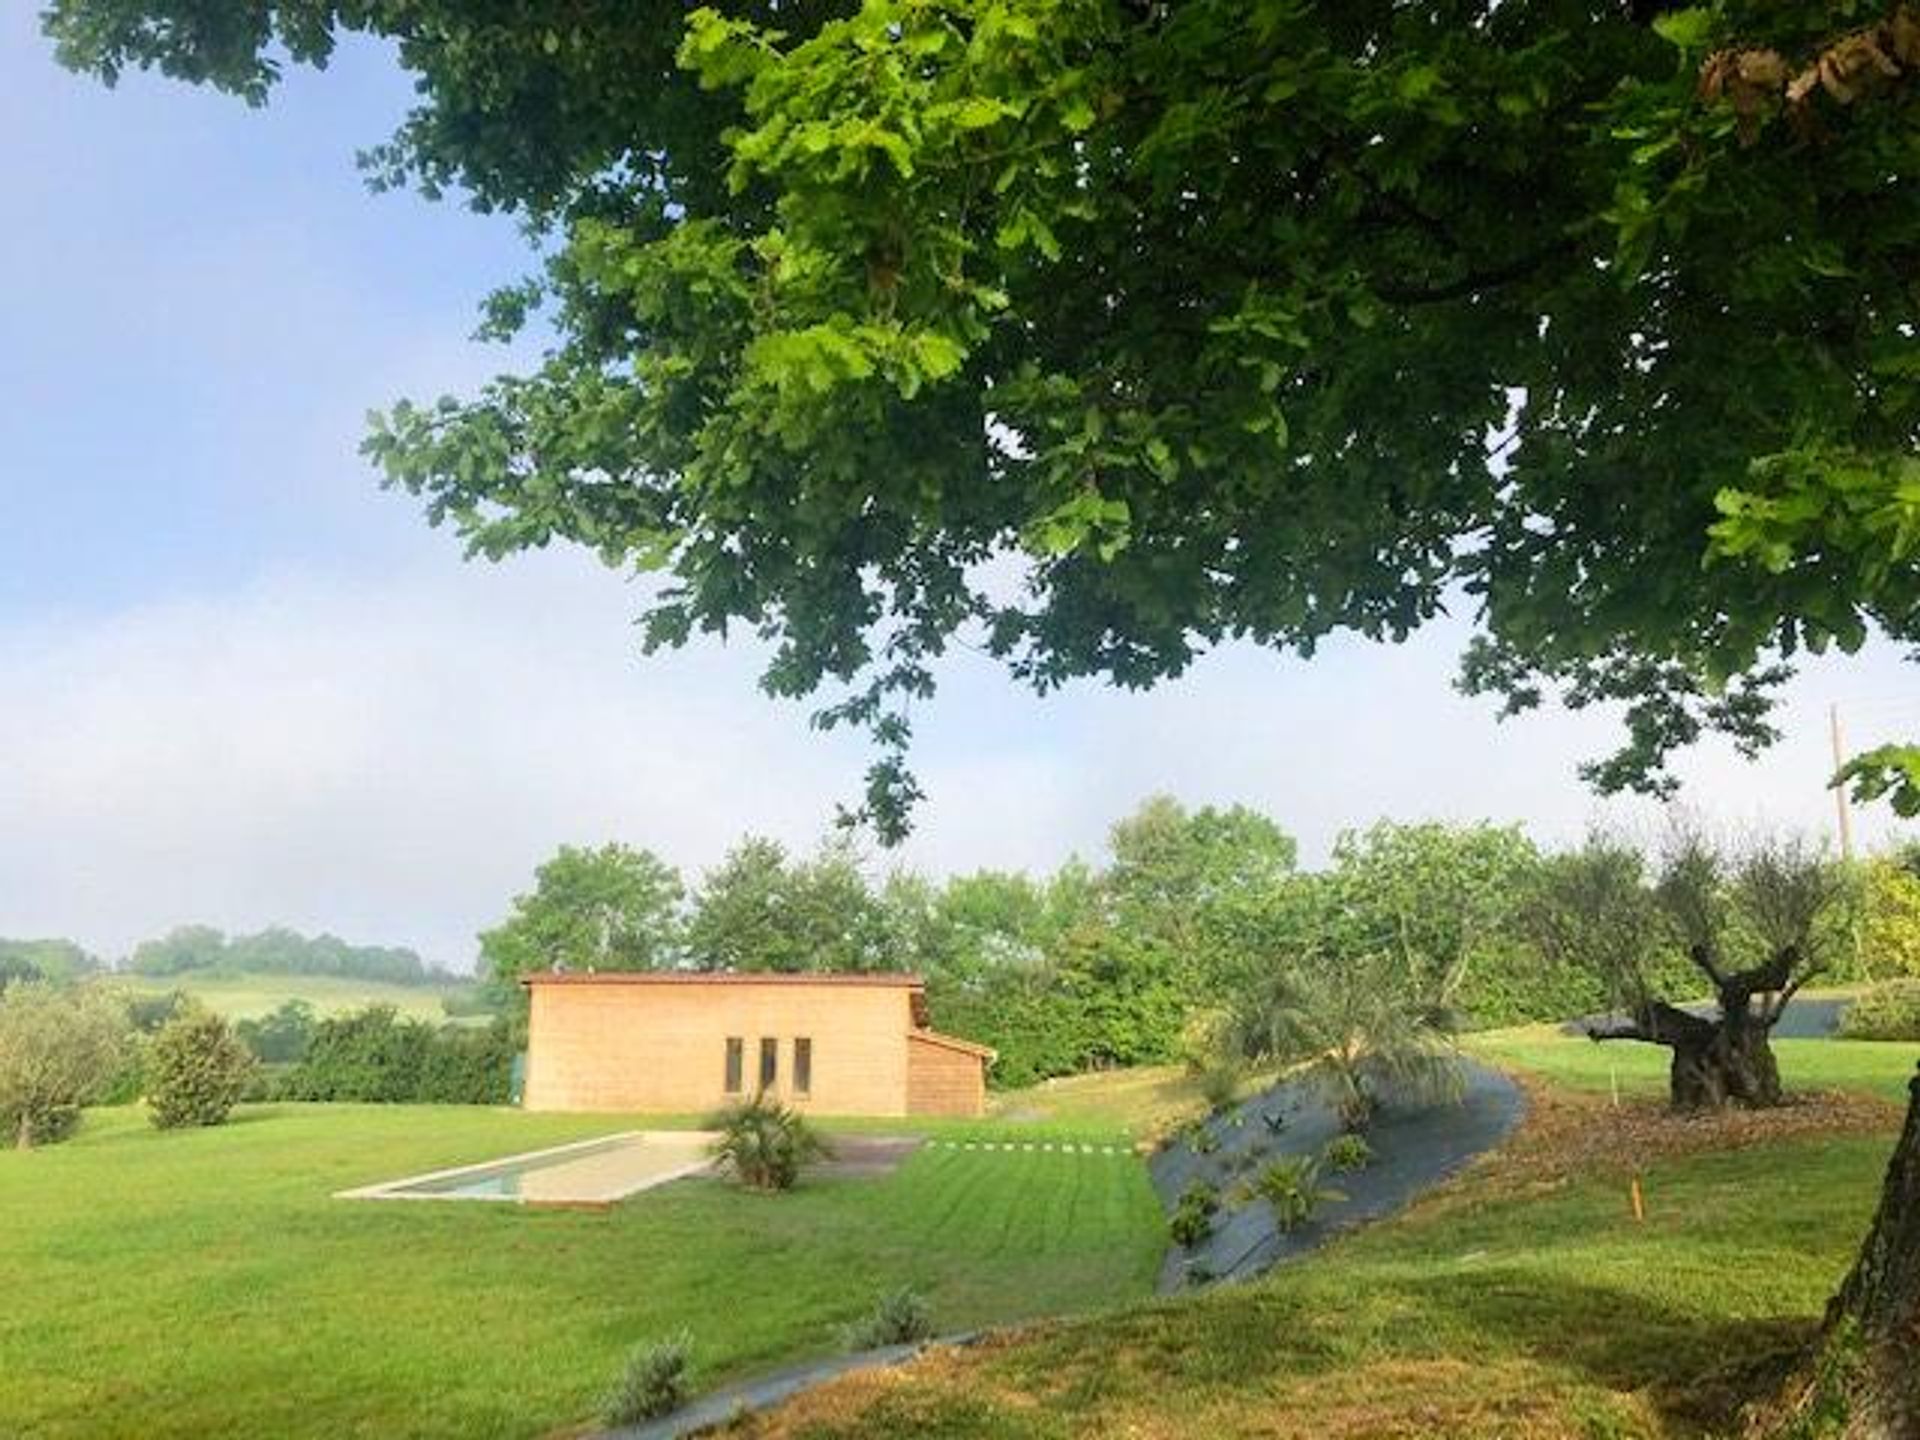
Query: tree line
[{"x": 1143, "y": 956}]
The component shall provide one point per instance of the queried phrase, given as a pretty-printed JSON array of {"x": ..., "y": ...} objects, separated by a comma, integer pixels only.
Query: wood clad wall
[
  {"x": 944, "y": 1081},
  {"x": 662, "y": 1048}
]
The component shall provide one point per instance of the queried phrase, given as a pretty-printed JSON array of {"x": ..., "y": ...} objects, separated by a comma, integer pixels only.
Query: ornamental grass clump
[
  {"x": 653, "y": 1382},
  {"x": 900, "y": 1317}
]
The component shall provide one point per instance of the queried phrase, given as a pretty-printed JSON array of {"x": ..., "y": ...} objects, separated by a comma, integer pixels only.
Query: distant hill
[
  {"x": 249, "y": 997},
  {"x": 190, "y": 949}
]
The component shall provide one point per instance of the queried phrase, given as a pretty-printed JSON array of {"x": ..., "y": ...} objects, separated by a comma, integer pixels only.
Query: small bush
[
  {"x": 1192, "y": 1219},
  {"x": 1292, "y": 1187},
  {"x": 1347, "y": 1153},
  {"x": 900, "y": 1317},
  {"x": 281, "y": 1037},
  {"x": 1220, "y": 1082},
  {"x": 1198, "y": 1272},
  {"x": 765, "y": 1144},
  {"x": 196, "y": 1070},
  {"x": 653, "y": 1383},
  {"x": 1886, "y": 1012},
  {"x": 1201, "y": 1139}
]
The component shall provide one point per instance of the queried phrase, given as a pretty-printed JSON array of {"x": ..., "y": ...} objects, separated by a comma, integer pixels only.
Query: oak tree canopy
[{"x": 1261, "y": 319}]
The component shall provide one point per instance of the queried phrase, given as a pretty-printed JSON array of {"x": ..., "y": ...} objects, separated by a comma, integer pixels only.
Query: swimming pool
[{"x": 594, "y": 1173}]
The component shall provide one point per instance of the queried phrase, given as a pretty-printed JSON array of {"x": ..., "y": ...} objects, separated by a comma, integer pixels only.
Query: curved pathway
[{"x": 1415, "y": 1149}]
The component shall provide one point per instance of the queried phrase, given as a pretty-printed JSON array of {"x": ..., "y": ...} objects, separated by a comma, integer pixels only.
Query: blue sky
[{"x": 242, "y": 685}]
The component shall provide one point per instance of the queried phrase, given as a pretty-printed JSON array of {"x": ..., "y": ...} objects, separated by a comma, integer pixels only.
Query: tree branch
[
  {"x": 1475, "y": 281},
  {"x": 1701, "y": 954},
  {"x": 1656, "y": 1023}
]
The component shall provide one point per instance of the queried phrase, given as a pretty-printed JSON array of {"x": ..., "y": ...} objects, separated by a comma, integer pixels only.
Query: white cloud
[{"x": 389, "y": 757}]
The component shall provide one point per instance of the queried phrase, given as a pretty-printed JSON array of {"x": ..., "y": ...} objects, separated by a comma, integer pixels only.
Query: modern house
[{"x": 679, "y": 1042}]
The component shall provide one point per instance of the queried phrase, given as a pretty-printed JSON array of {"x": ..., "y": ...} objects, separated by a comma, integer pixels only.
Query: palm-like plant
[
  {"x": 1293, "y": 1188},
  {"x": 1360, "y": 1030},
  {"x": 765, "y": 1144}
]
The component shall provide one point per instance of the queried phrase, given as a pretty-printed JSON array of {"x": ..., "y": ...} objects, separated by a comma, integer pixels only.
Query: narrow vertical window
[
  {"x": 736, "y": 1063},
  {"x": 769, "y": 1063},
  {"x": 802, "y": 1065}
]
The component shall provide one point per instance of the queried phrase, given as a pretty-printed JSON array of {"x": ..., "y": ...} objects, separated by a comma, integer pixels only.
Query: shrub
[
  {"x": 196, "y": 1070},
  {"x": 1292, "y": 1187},
  {"x": 1198, "y": 1272},
  {"x": 765, "y": 1144},
  {"x": 149, "y": 1012},
  {"x": 900, "y": 1317},
  {"x": 1201, "y": 1139},
  {"x": 653, "y": 1382},
  {"x": 1220, "y": 1082},
  {"x": 1192, "y": 1219},
  {"x": 1347, "y": 1153},
  {"x": 375, "y": 1055},
  {"x": 59, "y": 1050},
  {"x": 1886, "y": 1012},
  {"x": 281, "y": 1037}
]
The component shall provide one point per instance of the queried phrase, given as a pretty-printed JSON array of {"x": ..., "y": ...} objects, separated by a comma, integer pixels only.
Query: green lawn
[
  {"x": 204, "y": 1283},
  {"x": 248, "y": 997},
  {"x": 1525, "y": 1301},
  {"x": 1146, "y": 1101},
  {"x": 1536, "y": 1315},
  {"x": 1882, "y": 1067}
]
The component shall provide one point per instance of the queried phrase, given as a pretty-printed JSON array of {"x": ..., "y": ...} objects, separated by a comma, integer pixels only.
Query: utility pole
[{"x": 1840, "y": 791}]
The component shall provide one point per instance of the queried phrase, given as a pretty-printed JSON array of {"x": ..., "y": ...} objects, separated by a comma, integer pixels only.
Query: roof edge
[
  {"x": 953, "y": 1042},
  {"x": 881, "y": 981}
]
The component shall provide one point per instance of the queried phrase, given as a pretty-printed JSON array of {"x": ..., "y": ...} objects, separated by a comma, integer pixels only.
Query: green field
[
  {"x": 248, "y": 997},
  {"x": 1882, "y": 1067},
  {"x": 205, "y": 1283},
  {"x": 1144, "y": 1101},
  {"x": 1522, "y": 1301}
]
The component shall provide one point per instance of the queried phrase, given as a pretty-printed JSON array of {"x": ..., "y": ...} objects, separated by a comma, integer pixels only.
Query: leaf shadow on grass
[
  {"x": 1240, "y": 1343},
  {"x": 1695, "y": 1370}
]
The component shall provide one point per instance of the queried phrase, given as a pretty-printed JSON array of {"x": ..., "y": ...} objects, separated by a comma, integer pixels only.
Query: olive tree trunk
[{"x": 1720, "y": 1060}]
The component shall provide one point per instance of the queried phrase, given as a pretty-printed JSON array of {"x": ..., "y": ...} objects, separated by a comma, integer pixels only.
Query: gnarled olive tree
[{"x": 1749, "y": 928}]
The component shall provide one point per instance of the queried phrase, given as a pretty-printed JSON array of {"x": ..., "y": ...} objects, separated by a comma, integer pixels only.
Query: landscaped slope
[
  {"x": 204, "y": 1283},
  {"x": 1522, "y": 1300}
]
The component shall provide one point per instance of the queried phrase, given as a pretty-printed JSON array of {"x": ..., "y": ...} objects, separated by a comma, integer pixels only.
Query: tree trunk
[
  {"x": 1725, "y": 1061},
  {"x": 23, "y": 1132},
  {"x": 1862, "y": 1379},
  {"x": 1874, "y": 1321}
]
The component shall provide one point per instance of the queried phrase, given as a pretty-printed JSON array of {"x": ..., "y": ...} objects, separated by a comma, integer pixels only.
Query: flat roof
[{"x": 886, "y": 981}]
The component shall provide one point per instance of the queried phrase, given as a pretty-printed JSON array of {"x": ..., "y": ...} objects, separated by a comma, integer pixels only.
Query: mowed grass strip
[
  {"x": 1495, "y": 1309},
  {"x": 200, "y": 1283}
]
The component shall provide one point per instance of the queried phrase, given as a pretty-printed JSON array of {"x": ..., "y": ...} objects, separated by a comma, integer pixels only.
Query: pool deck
[{"x": 588, "y": 1174}]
